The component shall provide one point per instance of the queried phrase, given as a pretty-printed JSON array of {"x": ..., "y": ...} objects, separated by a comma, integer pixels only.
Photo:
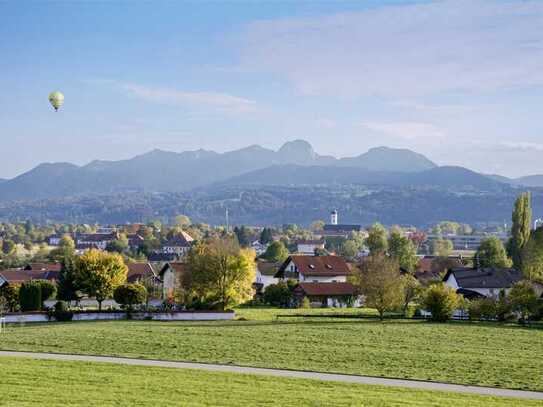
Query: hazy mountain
[
  {"x": 390, "y": 159},
  {"x": 291, "y": 175},
  {"x": 530, "y": 181},
  {"x": 160, "y": 170}
]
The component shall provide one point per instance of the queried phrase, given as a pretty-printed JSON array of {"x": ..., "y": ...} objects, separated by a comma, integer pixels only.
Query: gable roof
[
  {"x": 43, "y": 266},
  {"x": 182, "y": 239},
  {"x": 316, "y": 266},
  {"x": 177, "y": 267},
  {"x": 325, "y": 289},
  {"x": 484, "y": 277},
  {"x": 267, "y": 268},
  {"x": 19, "y": 276},
  {"x": 97, "y": 237},
  {"x": 138, "y": 271}
]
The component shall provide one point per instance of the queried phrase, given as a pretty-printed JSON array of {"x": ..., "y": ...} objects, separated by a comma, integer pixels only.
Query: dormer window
[
  {"x": 312, "y": 266},
  {"x": 329, "y": 267}
]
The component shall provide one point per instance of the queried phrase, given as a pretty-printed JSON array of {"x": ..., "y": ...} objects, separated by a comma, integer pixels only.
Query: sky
[{"x": 458, "y": 81}]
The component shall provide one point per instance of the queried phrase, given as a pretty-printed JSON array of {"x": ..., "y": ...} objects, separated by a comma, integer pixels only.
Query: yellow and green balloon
[{"x": 56, "y": 99}]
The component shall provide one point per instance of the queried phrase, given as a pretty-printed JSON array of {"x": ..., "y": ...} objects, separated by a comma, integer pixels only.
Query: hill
[{"x": 161, "y": 171}]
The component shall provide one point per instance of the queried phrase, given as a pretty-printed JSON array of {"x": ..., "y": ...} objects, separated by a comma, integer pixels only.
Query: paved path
[{"x": 412, "y": 384}]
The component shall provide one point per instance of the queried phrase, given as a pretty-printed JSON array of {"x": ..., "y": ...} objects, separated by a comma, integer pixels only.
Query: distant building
[
  {"x": 465, "y": 242},
  {"x": 86, "y": 241},
  {"x": 334, "y": 229},
  {"x": 179, "y": 244},
  {"x": 309, "y": 246},
  {"x": 258, "y": 247}
]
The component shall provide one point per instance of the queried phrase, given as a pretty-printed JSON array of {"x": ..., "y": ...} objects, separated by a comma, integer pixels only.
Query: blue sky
[{"x": 460, "y": 81}]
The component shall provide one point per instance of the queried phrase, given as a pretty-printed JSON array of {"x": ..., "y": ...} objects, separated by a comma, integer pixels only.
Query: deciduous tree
[
  {"x": 377, "y": 239},
  {"x": 380, "y": 283},
  {"x": 98, "y": 273},
  {"x": 218, "y": 270},
  {"x": 491, "y": 253}
]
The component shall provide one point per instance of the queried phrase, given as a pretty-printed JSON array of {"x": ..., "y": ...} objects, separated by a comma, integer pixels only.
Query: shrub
[
  {"x": 30, "y": 297},
  {"x": 10, "y": 294},
  {"x": 523, "y": 300},
  {"x": 279, "y": 295},
  {"x": 48, "y": 289},
  {"x": 129, "y": 295},
  {"x": 482, "y": 308},
  {"x": 441, "y": 301},
  {"x": 305, "y": 303},
  {"x": 61, "y": 312}
]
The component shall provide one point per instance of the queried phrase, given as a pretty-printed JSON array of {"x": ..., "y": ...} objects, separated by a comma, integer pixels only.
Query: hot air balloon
[{"x": 56, "y": 99}]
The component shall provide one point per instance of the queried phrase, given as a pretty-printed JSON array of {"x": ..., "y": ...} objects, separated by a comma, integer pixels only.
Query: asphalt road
[{"x": 412, "y": 384}]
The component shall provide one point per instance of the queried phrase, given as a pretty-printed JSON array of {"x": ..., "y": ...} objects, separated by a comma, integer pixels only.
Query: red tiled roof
[
  {"x": 317, "y": 265},
  {"x": 43, "y": 266},
  {"x": 19, "y": 276},
  {"x": 326, "y": 289}
]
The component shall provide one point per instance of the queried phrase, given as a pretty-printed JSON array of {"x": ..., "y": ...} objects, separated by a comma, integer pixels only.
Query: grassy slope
[
  {"x": 492, "y": 355},
  {"x": 52, "y": 383}
]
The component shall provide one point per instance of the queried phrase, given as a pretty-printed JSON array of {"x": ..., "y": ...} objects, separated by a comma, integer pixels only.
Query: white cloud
[
  {"x": 404, "y": 51},
  {"x": 220, "y": 101},
  {"x": 406, "y": 130}
]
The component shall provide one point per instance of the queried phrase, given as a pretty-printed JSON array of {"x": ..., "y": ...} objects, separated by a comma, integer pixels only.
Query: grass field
[
  {"x": 53, "y": 383},
  {"x": 463, "y": 353}
]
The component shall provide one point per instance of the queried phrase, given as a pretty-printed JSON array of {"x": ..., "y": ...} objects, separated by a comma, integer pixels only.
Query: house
[
  {"x": 171, "y": 275},
  {"x": 18, "y": 276},
  {"x": 327, "y": 294},
  {"x": 465, "y": 242},
  {"x": 86, "y": 241},
  {"x": 143, "y": 273},
  {"x": 334, "y": 229},
  {"x": 483, "y": 282},
  {"x": 265, "y": 274},
  {"x": 179, "y": 244},
  {"x": 54, "y": 240},
  {"x": 43, "y": 267},
  {"x": 258, "y": 247},
  {"x": 159, "y": 257},
  {"x": 316, "y": 269},
  {"x": 430, "y": 268},
  {"x": 134, "y": 241},
  {"x": 308, "y": 247}
]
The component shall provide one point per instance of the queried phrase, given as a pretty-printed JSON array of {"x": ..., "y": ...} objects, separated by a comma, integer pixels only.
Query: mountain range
[{"x": 295, "y": 163}]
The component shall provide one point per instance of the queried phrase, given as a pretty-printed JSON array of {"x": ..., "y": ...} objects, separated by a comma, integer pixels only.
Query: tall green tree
[
  {"x": 532, "y": 256},
  {"x": 266, "y": 236},
  {"x": 441, "y": 247},
  {"x": 219, "y": 271},
  {"x": 380, "y": 283},
  {"x": 98, "y": 273},
  {"x": 377, "y": 239},
  {"x": 520, "y": 230},
  {"x": 402, "y": 249},
  {"x": 491, "y": 253},
  {"x": 276, "y": 251}
]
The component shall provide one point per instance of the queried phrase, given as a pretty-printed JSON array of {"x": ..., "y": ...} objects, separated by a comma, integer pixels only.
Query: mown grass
[
  {"x": 28, "y": 382},
  {"x": 464, "y": 353}
]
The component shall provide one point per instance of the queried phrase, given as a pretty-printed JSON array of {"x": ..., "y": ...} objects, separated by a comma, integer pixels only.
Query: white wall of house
[
  {"x": 487, "y": 292},
  {"x": 168, "y": 279},
  {"x": 323, "y": 279},
  {"x": 265, "y": 280},
  {"x": 179, "y": 250}
]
